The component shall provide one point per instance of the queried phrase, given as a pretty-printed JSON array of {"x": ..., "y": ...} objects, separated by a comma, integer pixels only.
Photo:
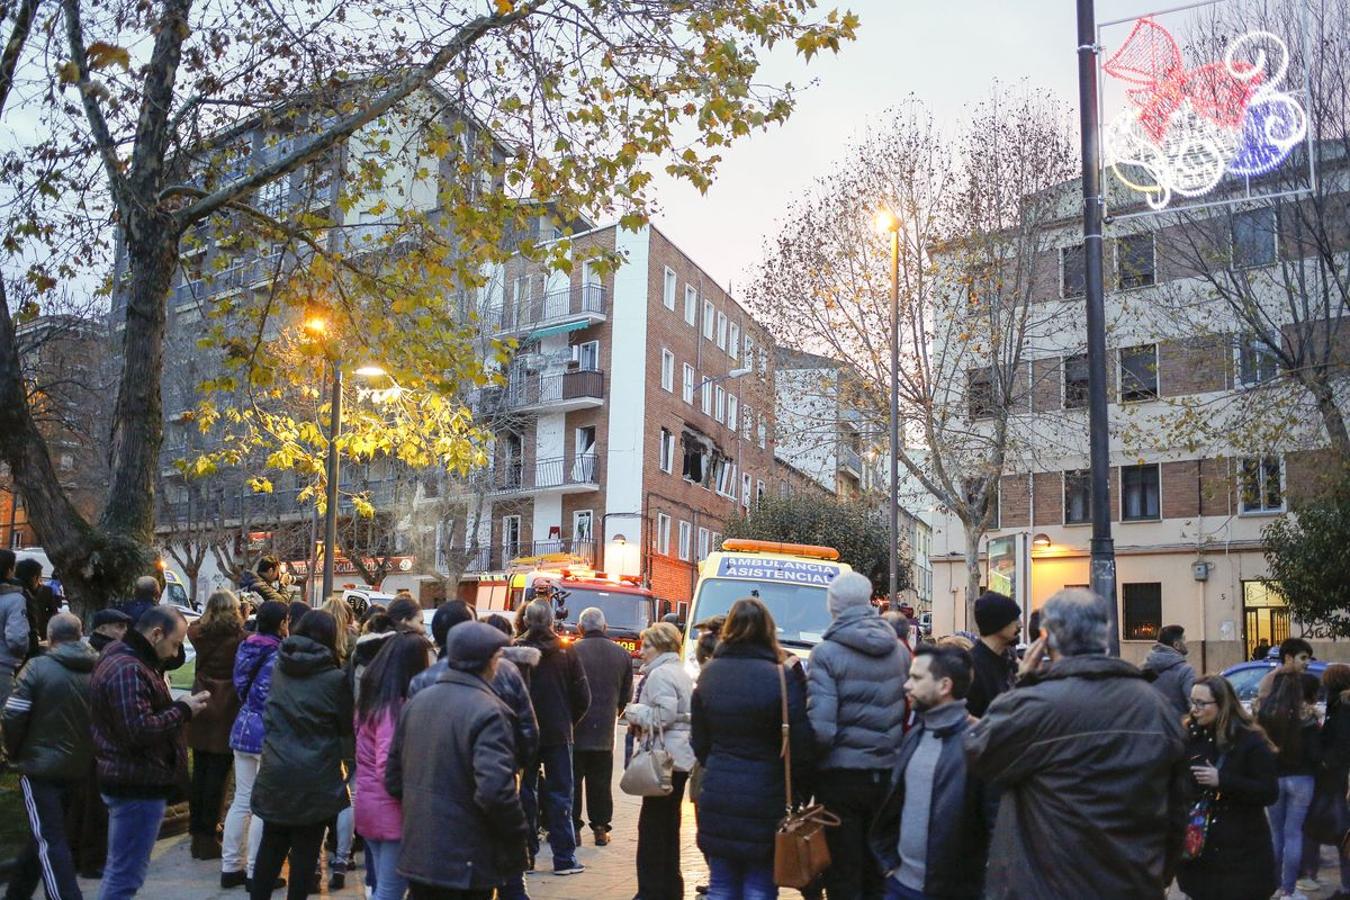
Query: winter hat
[
  {"x": 993, "y": 612},
  {"x": 847, "y": 591},
  {"x": 470, "y": 645}
]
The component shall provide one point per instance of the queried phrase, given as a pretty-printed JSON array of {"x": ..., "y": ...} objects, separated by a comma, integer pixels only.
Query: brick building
[{"x": 636, "y": 418}]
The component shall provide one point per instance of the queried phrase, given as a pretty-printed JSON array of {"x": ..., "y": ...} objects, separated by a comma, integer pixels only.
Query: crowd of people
[{"x": 950, "y": 769}]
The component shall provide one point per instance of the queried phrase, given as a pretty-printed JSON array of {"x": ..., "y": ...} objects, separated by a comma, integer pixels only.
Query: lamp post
[
  {"x": 889, "y": 223},
  {"x": 1102, "y": 574}
]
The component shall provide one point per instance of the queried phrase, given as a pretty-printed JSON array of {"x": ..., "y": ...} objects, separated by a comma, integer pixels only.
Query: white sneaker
[
  {"x": 1308, "y": 884},
  {"x": 1296, "y": 895}
]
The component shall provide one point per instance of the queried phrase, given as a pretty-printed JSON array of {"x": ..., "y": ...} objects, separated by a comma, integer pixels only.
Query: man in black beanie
[{"x": 1000, "y": 621}]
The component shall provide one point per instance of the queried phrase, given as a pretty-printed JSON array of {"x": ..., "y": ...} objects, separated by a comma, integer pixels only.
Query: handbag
[
  {"x": 1197, "y": 828},
  {"x": 800, "y": 853},
  {"x": 650, "y": 772}
]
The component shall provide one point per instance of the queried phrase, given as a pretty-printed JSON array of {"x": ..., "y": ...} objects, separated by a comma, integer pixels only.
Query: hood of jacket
[
  {"x": 523, "y": 657},
  {"x": 661, "y": 660},
  {"x": 7, "y": 587},
  {"x": 75, "y": 655},
  {"x": 368, "y": 645},
  {"x": 1162, "y": 657},
  {"x": 1091, "y": 666},
  {"x": 861, "y": 629},
  {"x": 300, "y": 656}
]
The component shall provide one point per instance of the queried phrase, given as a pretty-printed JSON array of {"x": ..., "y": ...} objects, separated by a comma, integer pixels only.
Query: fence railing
[
  {"x": 546, "y": 473},
  {"x": 555, "y": 306},
  {"x": 553, "y": 388}
]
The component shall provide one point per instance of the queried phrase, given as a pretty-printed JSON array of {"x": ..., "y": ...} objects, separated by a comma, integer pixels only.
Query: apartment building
[
  {"x": 636, "y": 416},
  {"x": 1210, "y": 440},
  {"x": 819, "y": 431}
]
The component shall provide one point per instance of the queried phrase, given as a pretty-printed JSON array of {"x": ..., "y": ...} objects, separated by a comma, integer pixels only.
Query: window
[
  {"x": 763, "y": 431},
  {"x": 587, "y": 356},
  {"x": 693, "y": 468},
  {"x": 1256, "y": 362},
  {"x": 1076, "y": 381},
  {"x": 703, "y": 538},
  {"x": 510, "y": 537},
  {"x": 719, "y": 404},
  {"x": 1139, "y": 373},
  {"x": 1262, "y": 480},
  {"x": 690, "y": 304},
  {"x": 722, "y": 330},
  {"x": 746, "y": 487},
  {"x": 759, "y": 489},
  {"x": 668, "y": 294},
  {"x": 667, "y": 451},
  {"x": 717, "y": 540},
  {"x": 1142, "y": 617},
  {"x": 1135, "y": 261},
  {"x": 726, "y": 478},
  {"x": 689, "y": 384},
  {"x": 1138, "y": 493},
  {"x": 763, "y": 360},
  {"x": 733, "y": 410},
  {"x": 583, "y": 526},
  {"x": 1254, "y": 238},
  {"x": 686, "y": 539},
  {"x": 663, "y": 534},
  {"x": 706, "y": 399},
  {"x": 667, "y": 371},
  {"x": 709, "y": 319},
  {"x": 1077, "y": 497},
  {"x": 734, "y": 341},
  {"x": 1072, "y": 271},
  {"x": 980, "y": 392},
  {"x": 748, "y": 356}
]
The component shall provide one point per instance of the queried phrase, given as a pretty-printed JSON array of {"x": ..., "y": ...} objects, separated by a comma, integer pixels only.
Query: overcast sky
[{"x": 946, "y": 53}]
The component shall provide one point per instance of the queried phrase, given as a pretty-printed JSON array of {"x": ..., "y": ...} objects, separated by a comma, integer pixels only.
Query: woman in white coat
[{"x": 662, "y": 703}]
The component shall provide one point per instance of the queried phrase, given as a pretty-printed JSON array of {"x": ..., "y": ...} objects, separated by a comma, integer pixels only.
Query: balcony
[
  {"x": 850, "y": 461},
  {"x": 555, "y": 391},
  {"x": 560, "y": 475},
  {"x": 576, "y": 305},
  {"x": 495, "y": 559}
]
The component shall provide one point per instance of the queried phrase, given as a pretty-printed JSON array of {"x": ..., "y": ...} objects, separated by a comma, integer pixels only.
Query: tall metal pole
[
  {"x": 895, "y": 418},
  {"x": 330, "y": 513},
  {"x": 1102, "y": 576}
]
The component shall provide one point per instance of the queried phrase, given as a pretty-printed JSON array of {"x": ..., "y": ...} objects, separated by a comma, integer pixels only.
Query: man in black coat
[
  {"x": 561, "y": 696},
  {"x": 1000, "y": 622},
  {"x": 609, "y": 672}
]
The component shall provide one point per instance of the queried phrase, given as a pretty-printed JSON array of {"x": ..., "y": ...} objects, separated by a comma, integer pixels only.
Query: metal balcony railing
[
  {"x": 849, "y": 459},
  {"x": 554, "y": 388},
  {"x": 546, "y": 474},
  {"x": 552, "y": 308}
]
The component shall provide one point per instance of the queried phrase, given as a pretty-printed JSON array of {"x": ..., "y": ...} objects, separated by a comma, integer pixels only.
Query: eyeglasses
[{"x": 1195, "y": 703}]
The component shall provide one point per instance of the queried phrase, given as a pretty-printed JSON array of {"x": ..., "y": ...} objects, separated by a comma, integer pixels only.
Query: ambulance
[{"x": 790, "y": 579}]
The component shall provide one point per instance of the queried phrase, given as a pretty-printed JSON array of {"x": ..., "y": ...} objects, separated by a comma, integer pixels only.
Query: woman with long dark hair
[
  {"x": 215, "y": 637},
  {"x": 1329, "y": 816},
  {"x": 1288, "y": 716},
  {"x": 737, "y": 735},
  {"x": 300, "y": 784},
  {"x": 379, "y": 817},
  {"x": 1233, "y": 769}
]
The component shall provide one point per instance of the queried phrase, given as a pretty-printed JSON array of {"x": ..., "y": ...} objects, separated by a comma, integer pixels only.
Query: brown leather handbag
[{"x": 800, "y": 853}]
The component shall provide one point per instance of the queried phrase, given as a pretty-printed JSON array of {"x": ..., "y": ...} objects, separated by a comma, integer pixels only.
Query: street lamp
[{"x": 888, "y": 223}]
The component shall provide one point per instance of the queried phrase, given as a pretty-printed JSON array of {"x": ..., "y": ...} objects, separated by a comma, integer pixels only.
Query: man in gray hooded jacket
[
  {"x": 856, "y": 705},
  {"x": 1172, "y": 675}
]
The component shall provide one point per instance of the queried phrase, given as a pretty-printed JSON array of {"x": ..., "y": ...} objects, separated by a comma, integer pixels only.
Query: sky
[{"x": 946, "y": 53}]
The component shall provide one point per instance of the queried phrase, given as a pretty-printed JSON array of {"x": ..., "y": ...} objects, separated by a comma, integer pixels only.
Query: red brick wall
[
  {"x": 1048, "y": 498},
  {"x": 1014, "y": 500}
]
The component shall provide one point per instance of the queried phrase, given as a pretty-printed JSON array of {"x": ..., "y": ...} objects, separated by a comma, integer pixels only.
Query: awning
[{"x": 557, "y": 329}]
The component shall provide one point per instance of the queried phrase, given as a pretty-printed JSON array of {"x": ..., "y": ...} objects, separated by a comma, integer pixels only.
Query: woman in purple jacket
[
  {"x": 252, "y": 682},
  {"x": 379, "y": 817}
]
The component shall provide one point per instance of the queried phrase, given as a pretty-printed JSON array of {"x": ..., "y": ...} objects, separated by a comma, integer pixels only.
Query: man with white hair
[
  {"x": 609, "y": 672},
  {"x": 1089, "y": 760},
  {"x": 856, "y": 704}
]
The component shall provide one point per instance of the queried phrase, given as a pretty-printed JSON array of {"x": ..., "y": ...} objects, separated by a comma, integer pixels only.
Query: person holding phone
[{"x": 1232, "y": 764}]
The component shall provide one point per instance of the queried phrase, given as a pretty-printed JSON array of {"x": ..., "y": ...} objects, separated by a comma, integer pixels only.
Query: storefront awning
[{"x": 557, "y": 329}]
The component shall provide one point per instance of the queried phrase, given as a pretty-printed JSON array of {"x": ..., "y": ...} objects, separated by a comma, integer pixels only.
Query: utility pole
[
  {"x": 895, "y": 419},
  {"x": 330, "y": 513},
  {"x": 1102, "y": 577}
]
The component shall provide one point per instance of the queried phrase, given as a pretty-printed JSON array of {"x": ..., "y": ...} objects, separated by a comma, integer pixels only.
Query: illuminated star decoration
[{"x": 1188, "y": 127}]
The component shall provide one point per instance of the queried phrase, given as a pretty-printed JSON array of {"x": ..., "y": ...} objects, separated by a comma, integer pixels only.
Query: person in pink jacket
[{"x": 379, "y": 817}]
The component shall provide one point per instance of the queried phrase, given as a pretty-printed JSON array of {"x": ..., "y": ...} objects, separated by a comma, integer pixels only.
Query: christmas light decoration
[{"x": 1186, "y": 128}]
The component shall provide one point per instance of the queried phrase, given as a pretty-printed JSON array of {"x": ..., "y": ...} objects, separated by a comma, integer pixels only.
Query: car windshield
[
  {"x": 1246, "y": 681},
  {"x": 798, "y": 610},
  {"x": 623, "y": 611},
  {"x": 176, "y": 594}
]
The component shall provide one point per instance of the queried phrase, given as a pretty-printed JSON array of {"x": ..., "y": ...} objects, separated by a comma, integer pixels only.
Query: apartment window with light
[
  {"x": 1073, "y": 271},
  {"x": 707, "y": 393},
  {"x": 733, "y": 410},
  {"x": 734, "y": 341},
  {"x": 1139, "y": 493},
  {"x": 1135, "y": 265},
  {"x": 1139, "y": 373},
  {"x": 1141, "y": 610},
  {"x": 1262, "y": 481},
  {"x": 690, "y": 305},
  {"x": 686, "y": 539},
  {"x": 689, "y": 384},
  {"x": 663, "y": 534},
  {"x": 1254, "y": 238},
  {"x": 722, "y": 331},
  {"x": 1256, "y": 362},
  {"x": 719, "y": 404},
  {"x": 1076, "y": 381},
  {"x": 667, "y": 371},
  {"x": 980, "y": 392},
  {"x": 667, "y": 451},
  {"x": 1077, "y": 497},
  {"x": 668, "y": 293}
]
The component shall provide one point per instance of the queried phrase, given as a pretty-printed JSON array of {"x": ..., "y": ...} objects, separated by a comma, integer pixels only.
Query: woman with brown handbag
[{"x": 737, "y": 733}]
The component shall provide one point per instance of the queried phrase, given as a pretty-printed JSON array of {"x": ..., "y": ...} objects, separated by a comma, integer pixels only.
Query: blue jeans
[
  {"x": 897, "y": 891},
  {"x": 731, "y": 879},
  {"x": 133, "y": 827},
  {"x": 383, "y": 855},
  {"x": 551, "y": 795},
  {"x": 1286, "y": 827}
]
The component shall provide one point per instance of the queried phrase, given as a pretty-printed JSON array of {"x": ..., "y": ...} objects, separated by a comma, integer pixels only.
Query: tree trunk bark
[{"x": 973, "y": 571}]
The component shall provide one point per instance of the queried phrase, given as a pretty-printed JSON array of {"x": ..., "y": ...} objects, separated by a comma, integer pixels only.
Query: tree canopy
[{"x": 1308, "y": 553}]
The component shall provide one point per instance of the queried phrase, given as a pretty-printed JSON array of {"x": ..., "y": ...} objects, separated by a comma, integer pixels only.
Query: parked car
[{"x": 1245, "y": 677}]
